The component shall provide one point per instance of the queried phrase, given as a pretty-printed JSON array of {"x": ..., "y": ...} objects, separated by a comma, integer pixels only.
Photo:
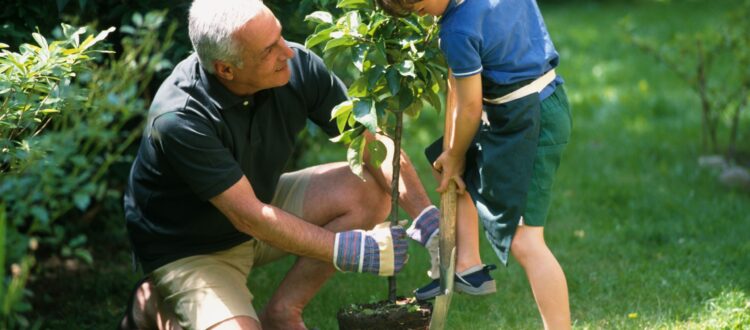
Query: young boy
[{"x": 507, "y": 123}]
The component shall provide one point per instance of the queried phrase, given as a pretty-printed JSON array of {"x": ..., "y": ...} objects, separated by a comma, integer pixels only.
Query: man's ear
[{"x": 223, "y": 70}]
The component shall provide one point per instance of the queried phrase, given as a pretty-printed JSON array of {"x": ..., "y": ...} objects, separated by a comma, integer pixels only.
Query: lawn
[{"x": 647, "y": 238}]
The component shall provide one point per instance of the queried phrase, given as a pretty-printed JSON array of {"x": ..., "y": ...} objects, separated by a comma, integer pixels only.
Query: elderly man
[{"x": 207, "y": 198}]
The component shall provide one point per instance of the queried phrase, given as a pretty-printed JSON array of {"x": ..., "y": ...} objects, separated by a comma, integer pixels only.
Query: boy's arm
[{"x": 462, "y": 121}]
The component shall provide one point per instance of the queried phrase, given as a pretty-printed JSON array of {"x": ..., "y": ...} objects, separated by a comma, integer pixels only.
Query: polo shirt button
[{"x": 245, "y": 103}]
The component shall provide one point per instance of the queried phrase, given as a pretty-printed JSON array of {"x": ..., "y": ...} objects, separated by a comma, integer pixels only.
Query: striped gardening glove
[
  {"x": 381, "y": 251},
  {"x": 425, "y": 229}
]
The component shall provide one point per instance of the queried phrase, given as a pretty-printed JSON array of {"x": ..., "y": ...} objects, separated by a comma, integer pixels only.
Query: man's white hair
[{"x": 211, "y": 25}]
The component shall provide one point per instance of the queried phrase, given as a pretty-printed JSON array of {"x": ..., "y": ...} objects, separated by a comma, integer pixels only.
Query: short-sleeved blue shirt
[
  {"x": 200, "y": 139},
  {"x": 504, "y": 40}
]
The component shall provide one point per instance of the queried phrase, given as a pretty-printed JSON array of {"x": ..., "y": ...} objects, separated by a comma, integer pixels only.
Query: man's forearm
[
  {"x": 412, "y": 195},
  {"x": 272, "y": 225}
]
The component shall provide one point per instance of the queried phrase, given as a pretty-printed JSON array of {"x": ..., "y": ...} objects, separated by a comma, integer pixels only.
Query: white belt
[{"x": 535, "y": 86}]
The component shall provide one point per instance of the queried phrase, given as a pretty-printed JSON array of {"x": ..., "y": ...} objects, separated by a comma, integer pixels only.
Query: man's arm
[
  {"x": 272, "y": 225},
  {"x": 382, "y": 250},
  {"x": 412, "y": 195}
]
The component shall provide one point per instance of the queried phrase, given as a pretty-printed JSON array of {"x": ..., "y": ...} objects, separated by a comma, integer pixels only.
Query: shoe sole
[{"x": 484, "y": 289}]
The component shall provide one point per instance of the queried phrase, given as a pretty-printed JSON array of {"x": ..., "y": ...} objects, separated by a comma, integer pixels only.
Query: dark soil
[{"x": 406, "y": 313}]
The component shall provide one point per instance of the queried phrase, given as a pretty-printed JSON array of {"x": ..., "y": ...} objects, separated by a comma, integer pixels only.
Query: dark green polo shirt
[{"x": 200, "y": 139}]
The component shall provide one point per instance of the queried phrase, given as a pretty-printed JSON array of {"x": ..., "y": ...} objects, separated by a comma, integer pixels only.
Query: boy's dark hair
[{"x": 398, "y": 8}]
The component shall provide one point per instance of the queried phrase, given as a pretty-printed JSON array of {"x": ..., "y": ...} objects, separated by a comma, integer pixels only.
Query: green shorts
[
  {"x": 554, "y": 133},
  {"x": 511, "y": 164}
]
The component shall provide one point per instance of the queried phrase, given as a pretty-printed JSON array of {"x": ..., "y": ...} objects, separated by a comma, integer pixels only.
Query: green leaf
[
  {"x": 413, "y": 109},
  {"x": 359, "y": 87},
  {"x": 343, "y": 41},
  {"x": 377, "y": 55},
  {"x": 353, "y": 4},
  {"x": 376, "y": 23},
  {"x": 3, "y": 45},
  {"x": 406, "y": 68},
  {"x": 82, "y": 201},
  {"x": 91, "y": 40},
  {"x": 358, "y": 56},
  {"x": 318, "y": 37},
  {"x": 373, "y": 76},
  {"x": 341, "y": 113},
  {"x": 355, "y": 154},
  {"x": 346, "y": 137},
  {"x": 377, "y": 153},
  {"x": 434, "y": 100},
  {"x": 137, "y": 19},
  {"x": 394, "y": 81},
  {"x": 40, "y": 40},
  {"x": 405, "y": 99},
  {"x": 320, "y": 17},
  {"x": 364, "y": 112}
]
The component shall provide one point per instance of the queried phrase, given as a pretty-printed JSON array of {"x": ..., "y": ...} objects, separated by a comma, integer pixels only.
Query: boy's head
[{"x": 402, "y": 8}]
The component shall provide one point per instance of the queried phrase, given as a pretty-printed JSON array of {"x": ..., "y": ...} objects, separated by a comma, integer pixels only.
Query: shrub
[{"x": 67, "y": 116}]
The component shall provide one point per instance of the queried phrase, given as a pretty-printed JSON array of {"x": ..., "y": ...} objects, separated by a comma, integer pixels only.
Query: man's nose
[{"x": 286, "y": 51}]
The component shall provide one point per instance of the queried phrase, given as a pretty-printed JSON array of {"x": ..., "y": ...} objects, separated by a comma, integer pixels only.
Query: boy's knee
[{"x": 526, "y": 244}]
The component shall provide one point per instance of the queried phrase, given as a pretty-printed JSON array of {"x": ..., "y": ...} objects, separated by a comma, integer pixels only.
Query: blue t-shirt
[{"x": 504, "y": 40}]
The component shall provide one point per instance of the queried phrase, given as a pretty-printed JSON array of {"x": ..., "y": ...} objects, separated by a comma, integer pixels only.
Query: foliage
[
  {"x": 715, "y": 63},
  {"x": 399, "y": 67},
  {"x": 66, "y": 121}
]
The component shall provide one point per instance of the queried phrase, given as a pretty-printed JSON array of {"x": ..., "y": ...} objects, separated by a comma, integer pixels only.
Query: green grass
[{"x": 648, "y": 240}]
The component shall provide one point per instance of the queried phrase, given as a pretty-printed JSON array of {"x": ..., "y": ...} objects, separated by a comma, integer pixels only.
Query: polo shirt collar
[
  {"x": 452, "y": 4},
  {"x": 220, "y": 95}
]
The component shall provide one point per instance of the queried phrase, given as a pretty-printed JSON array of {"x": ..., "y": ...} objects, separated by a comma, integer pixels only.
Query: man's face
[
  {"x": 431, "y": 7},
  {"x": 264, "y": 54}
]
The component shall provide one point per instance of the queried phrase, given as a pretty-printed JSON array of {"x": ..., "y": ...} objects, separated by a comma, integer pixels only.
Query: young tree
[{"x": 398, "y": 69}]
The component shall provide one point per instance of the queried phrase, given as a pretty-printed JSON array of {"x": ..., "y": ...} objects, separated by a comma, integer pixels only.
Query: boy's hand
[
  {"x": 451, "y": 167},
  {"x": 381, "y": 251}
]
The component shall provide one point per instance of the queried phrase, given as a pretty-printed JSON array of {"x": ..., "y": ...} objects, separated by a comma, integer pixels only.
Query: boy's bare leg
[
  {"x": 467, "y": 231},
  {"x": 545, "y": 276},
  {"x": 467, "y": 234}
]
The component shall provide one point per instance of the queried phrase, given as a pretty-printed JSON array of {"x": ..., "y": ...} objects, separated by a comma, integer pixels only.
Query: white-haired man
[{"x": 207, "y": 198}]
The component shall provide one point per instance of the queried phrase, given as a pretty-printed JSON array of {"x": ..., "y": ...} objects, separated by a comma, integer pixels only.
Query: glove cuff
[{"x": 425, "y": 225}]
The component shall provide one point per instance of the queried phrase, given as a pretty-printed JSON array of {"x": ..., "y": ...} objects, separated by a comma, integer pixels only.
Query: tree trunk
[{"x": 395, "y": 191}]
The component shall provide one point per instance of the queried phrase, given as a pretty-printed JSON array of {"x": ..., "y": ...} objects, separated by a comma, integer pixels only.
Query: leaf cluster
[{"x": 397, "y": 66}]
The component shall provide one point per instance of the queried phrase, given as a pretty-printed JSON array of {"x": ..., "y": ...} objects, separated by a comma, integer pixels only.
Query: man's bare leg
[
  {"x": 337, "y": 200},
  {"x": 148, "y": 312}
]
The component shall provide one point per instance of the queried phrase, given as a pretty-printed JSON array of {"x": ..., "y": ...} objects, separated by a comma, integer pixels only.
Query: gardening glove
[
  {"x": 425, "y": 229},
  {"x": 381, "y": 251}
]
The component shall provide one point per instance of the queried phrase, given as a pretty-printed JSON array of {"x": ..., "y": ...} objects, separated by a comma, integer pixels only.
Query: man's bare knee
[{"x": 373, "y": 202}]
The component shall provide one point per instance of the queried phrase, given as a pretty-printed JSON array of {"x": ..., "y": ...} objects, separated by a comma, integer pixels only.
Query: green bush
[
  {"x": 714, "y": 62},
  {"x": 67, "y": 116}
]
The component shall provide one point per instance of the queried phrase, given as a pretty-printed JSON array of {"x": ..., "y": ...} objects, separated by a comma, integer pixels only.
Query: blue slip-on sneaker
[
  {"x": 428, "y": 291},
  {"x": 477, "y": 282}
]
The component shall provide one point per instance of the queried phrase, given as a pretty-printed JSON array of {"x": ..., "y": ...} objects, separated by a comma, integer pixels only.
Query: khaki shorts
[{"x": 206, "y": 289}]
